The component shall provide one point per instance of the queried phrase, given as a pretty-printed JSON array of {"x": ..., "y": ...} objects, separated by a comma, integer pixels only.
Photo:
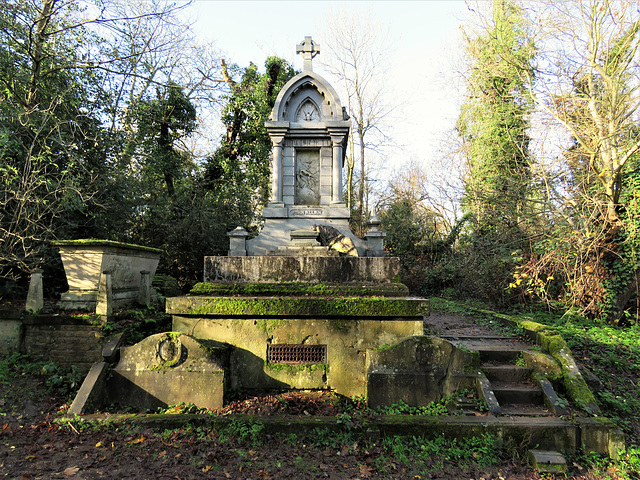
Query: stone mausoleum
[{"x": 309, "y": 129}]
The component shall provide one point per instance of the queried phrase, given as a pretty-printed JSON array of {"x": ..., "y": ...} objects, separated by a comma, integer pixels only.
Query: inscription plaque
[{"x": 305, "y": 212}]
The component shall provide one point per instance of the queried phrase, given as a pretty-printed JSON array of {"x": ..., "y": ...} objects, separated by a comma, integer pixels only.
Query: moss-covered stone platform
[
  {"x": 346, "y": 307},
  {"x": 344, "y": 320}
]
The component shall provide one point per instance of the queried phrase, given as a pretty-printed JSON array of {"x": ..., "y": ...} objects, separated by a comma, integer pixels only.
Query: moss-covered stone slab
[
  {"x": 299, "y": 306},
  {"x": 299, "y": 289},
  {"x": 169, "y": 368}
]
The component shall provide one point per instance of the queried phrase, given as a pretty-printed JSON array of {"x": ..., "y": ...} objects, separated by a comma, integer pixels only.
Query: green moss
[
  {"x": 342, "y": 326},
  {"x": 307, "y": 306},
  {"x": 213, "y": 351},
  {"x": 297, "y": 368},
  {"x": 268, "y": 325},
  {"x": 92, "y": 242},
  {"x": 297, "y": 289}
]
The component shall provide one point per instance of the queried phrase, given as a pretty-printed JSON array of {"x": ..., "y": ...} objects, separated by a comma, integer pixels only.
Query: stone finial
[
  {"x": 374, "y": 236},
  {"x": 309, "y": 49}
]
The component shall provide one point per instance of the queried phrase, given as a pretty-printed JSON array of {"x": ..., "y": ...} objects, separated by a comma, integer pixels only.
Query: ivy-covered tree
[
  {"x": 163, "y": 121},
  {"x": 494, "y": 120},
  {"x": 239, "y": 169}
]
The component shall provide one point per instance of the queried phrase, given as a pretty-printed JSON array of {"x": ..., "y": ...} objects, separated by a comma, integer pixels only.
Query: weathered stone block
[
  {"x": 169, "y": 368},
  {"x": 417, "y": 371},
  {"x": 547, "y": 461},
  {"x": 10, "y": 331},
  {"x": 301, "y": 269}
]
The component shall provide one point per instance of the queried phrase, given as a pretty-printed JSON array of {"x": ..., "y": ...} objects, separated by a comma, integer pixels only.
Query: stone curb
[{"x": 591, "y": 435}]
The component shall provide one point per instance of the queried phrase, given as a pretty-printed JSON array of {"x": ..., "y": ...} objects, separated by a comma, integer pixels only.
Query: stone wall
[
  {"x": 10, "y": 331},
  {"x": 61, "y": 339}
]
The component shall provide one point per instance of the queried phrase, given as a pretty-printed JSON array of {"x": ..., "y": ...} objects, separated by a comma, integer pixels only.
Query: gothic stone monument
[{"x": 309, "y": 129}]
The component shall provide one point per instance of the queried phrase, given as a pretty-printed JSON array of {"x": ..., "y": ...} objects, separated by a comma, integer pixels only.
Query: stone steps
[
  {"x": 506, "y": 373},
  {"x": 517, "y": 393},
  {"x": 508, "y": 388}
]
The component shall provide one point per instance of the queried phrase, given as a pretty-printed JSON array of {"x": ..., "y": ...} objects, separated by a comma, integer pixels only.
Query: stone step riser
[
  {"x": 501, "y": 356},
  {"x": 507, "y": 373},
  {"x": 515, "y": 395}
]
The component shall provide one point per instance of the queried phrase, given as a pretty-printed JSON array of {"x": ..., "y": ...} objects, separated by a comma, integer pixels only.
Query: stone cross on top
[{"x": 309, "y": 49}]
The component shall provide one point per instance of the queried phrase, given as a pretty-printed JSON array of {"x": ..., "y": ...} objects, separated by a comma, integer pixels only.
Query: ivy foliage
[
  {"x": 239, "y": 168},
  {"x": 493, "y": 121}
]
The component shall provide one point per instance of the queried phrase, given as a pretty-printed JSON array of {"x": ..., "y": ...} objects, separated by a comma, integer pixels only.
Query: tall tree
[
  {"x": 239, "y": 168},
  {"x": 494, "y": 120},
  {"x": 590, "y": 67},
  {"x": 51, "y": 140},
  {"x": 357, "y": 51},
  {"x": 162, "y": 122},
  {"x": 73, "y": 77}
]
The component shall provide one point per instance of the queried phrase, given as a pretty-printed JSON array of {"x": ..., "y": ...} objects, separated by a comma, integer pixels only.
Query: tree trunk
[{"x": 37, "y": 52}]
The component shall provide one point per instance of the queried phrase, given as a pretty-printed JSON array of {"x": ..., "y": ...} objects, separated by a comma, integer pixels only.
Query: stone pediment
[{"x": 308, "y": 98}]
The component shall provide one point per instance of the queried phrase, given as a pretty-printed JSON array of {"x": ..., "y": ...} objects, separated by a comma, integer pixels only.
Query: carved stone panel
[{"x": 307, "y": 177}]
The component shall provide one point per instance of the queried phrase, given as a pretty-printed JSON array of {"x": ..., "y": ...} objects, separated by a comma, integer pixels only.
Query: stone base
[
  {"x": 277, "y": 269},
  {"x": 281, "y": 225},
  {"x": 305, "y": 251},
  {"x": 347, "y": 341},
  {"x": 86, "y": 300}
]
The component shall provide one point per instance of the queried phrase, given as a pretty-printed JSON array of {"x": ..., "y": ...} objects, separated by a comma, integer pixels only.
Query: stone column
[
  {"x": 144, "y": 292},
  {"x": 276, "y": 181},
  {"x": 104, "y": 303},
  {"x": 336, "y": 191},
  {"x": 35, "y": 296}
]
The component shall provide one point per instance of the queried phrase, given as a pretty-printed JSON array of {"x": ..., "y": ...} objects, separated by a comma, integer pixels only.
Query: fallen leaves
[
  {"x": 70, "y": 471},
  {"x": 138, "y": 440}
]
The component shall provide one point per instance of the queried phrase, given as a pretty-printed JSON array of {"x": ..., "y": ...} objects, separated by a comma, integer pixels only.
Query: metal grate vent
[{"x": 296, "y": 354}]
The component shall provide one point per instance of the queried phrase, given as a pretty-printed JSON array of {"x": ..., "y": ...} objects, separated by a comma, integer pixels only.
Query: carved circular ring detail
[{"x": 170, "y": 351}]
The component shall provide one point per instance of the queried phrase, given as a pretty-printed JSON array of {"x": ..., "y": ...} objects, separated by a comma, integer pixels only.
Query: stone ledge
[
  {"x": 299, "y": 289},
  {"x": 372, "y": 307},
  {"x": 542, "y": 432}
]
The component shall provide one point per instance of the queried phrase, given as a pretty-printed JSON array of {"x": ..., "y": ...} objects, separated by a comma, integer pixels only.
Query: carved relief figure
[
  {"x": 307, "y": 177},
  {"x": 308, "y": 112}
]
